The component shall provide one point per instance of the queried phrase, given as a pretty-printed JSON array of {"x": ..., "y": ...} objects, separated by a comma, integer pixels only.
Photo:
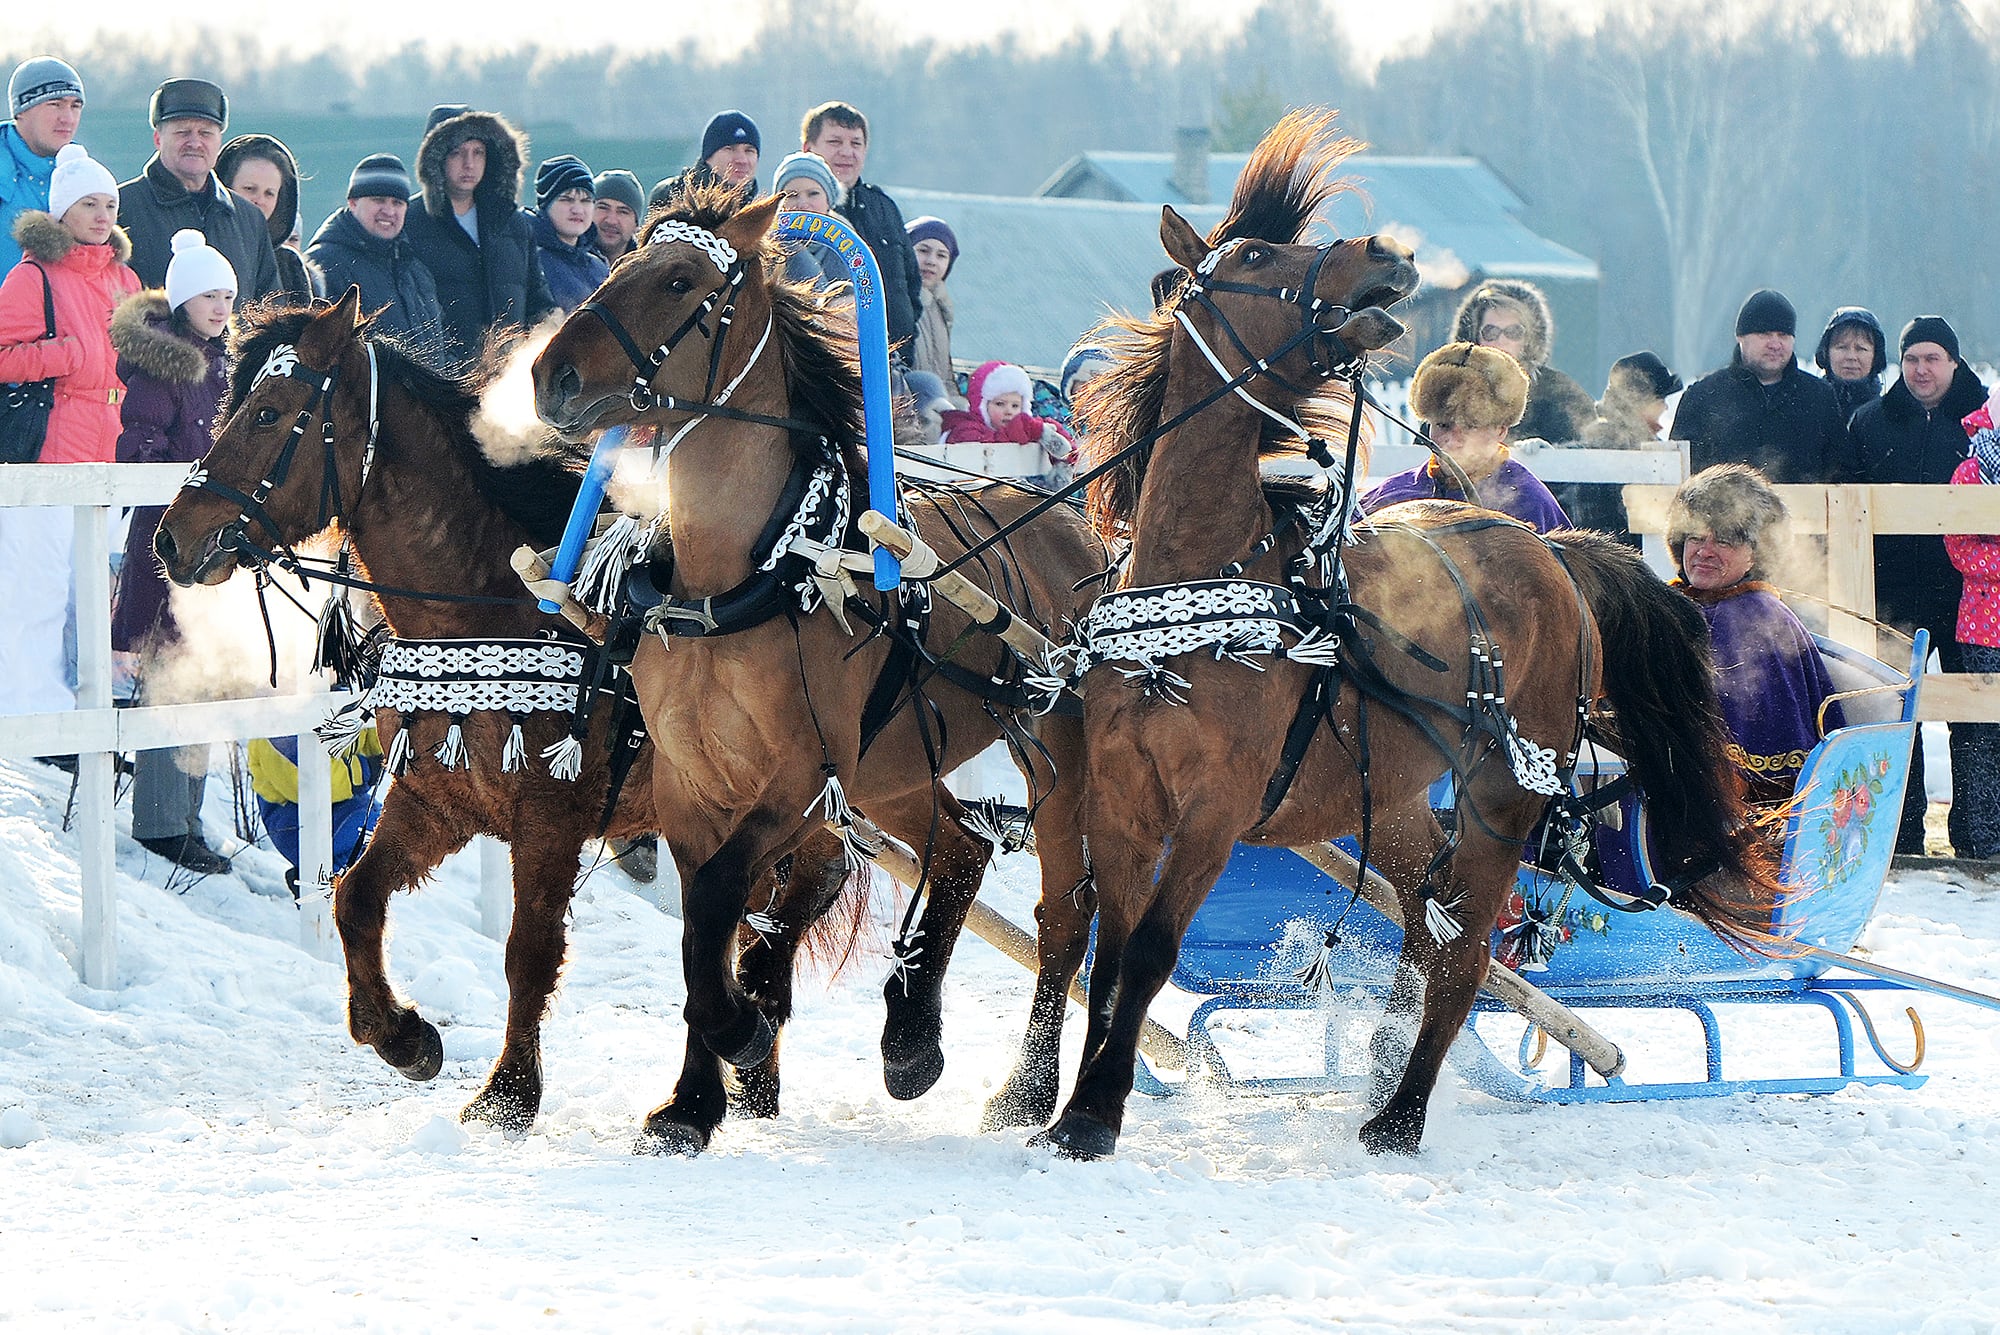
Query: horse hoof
[
  {"x": 427, "y": 1059},
  {"x": 1391, "y": 1133},
  {"x": 1079, "y": 1137},
  {"x": 746, "y": 1043},
  {"x": 1011, "y": 1108},
  {"x": 503, "y": 1112},
  {"x": 913, "y": 1078},
  {"x": 665, "y": 1136}
]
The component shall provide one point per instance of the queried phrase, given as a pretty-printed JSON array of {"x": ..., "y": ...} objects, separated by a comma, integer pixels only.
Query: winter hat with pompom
[
  {"x": 77, "y": 174},
  {"x": 196, "y": 267},
  {"x": 997, "y": 378}
]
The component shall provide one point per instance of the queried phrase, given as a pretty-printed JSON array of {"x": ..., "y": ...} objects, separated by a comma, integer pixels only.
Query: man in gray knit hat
[
  {"x": 45, "y": 104},
  {"x": 620, "y": 206}
]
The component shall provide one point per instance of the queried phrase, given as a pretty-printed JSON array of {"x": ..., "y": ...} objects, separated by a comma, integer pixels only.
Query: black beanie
[
  {"x": 1766, "y": 312},
  {"x": 379, "y": 174},
  {"x": 567, "y": 172},
  {"x": 1929, "y": 329},
  {"x": 730, "y": 127}
]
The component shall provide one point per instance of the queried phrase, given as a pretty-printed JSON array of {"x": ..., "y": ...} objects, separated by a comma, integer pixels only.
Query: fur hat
[
  {"x": 1929, "y": 329},
  {"x": 809, "y": 164},
  {"x": 1539, "y": 327},
  {"x": 196, "y": 267},
  {"x": 1766, "y": 311},
  {"x": 380, "y": 175},
  {"x": 77, "y": 174},
  {"x": 729, "y": 127},
  {"x": 1467, "y": 385},
  {"x": 40, "y": 79},
  {"x": 506, "y": 155},
  {"x": 183, "y": 99},
  {"x": 1734, "y": 503},
  {"x": 558, "y": 175},
  {"x": 622, "y": 186}
]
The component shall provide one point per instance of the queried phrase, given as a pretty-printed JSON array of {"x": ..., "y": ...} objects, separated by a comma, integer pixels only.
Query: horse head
[
  {"x": 1255, "y": 290},
  {"x": 265, "y": 482},
  {"x": 618, "y": 358}
]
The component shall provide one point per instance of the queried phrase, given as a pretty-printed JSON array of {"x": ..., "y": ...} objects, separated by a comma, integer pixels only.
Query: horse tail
[
  {"x": 1666, "y": 720},
  {"x": 828, "y": 942}
]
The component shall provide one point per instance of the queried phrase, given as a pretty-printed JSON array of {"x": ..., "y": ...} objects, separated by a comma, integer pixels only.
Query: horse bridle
[
  {"x": 1320, "y": 339},
  {"x": 233, "y": 536},
  {"x": 721, "y": 302}
]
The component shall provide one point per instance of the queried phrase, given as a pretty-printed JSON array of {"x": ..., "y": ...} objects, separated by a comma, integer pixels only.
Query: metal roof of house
[
  {"x": 1455, "y": 211},
  {"x": 1034, "y": 274}
]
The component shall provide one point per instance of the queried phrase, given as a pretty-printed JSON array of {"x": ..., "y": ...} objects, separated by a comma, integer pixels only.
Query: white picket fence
[{"x": 95, "y": 731}]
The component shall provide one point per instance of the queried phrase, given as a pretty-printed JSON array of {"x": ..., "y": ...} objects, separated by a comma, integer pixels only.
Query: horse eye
[
  {"x": 267, "y": 417},
  {"x": 680, "y": 287},
  {"x": 1252, "y": 255}
]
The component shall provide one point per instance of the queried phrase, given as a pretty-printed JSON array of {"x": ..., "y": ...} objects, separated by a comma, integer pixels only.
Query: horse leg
[
  {"x": 410, "y": 839},
  {"x": 713, "y": 899},
  {"x": 912, "y": 1034},
  {"x": 1096, "y": 1111},
  {"x": 1062, "y": 921},
  {"x": 1401, "y": 848},
  {"x": 802, "y": 889},
  {"x": 1481, "y": 873},
  {"x": 545, "y": 871}
]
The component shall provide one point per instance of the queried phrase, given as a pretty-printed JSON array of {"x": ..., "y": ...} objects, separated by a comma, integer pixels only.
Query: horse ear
[
  {"x": 748, "y": 226},
  {"x": 1185, "y": 246},
  {"x": 345, "y": 313}
]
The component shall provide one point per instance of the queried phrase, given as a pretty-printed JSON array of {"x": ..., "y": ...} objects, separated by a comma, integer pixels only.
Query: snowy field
[{"x": 204, "y": 1149}]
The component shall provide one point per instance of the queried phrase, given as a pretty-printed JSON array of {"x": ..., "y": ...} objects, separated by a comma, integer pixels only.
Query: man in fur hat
[
  {"x": 470, "y": 232},
  {"x": 1469, "y": 397}
]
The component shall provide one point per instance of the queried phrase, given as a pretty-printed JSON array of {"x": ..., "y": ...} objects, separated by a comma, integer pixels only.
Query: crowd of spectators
[{"x": 444, "y": 250}]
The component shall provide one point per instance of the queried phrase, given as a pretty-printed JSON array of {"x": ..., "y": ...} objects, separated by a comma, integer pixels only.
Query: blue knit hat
[
  {"x": 809, "y": 164},
  {"x": 1085, "y": 361},
  {"x": 40, "y": 79},
  {"x": 928, "y": 228},
  {"x": 730, "y": 127},
  {"x": 558, "y": 174}
]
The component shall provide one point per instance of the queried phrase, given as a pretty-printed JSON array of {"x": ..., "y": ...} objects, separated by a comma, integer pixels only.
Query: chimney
[{"x": 1191, "y": 163}]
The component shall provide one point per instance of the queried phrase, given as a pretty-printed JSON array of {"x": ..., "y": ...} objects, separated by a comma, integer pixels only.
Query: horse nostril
[
  {"x": 1386, "y": 248},
  {"x": 566, "y": 384},
  {"x": 164, "y": 546}
]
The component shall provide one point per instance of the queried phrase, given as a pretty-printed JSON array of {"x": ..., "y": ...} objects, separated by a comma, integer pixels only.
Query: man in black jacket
[
  {"x": 1912, "y": 434},
  {"x": 363, "y": 246},
  {"x": 179, "y": 189},
  {"x": 1761, "y": 409},
  {"x": 470, "y": 231},
  {"x": 839, "y": 133}
]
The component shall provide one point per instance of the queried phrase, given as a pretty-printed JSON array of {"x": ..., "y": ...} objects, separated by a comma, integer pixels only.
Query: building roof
[
  {"x": 1456, "y": 212},
  {"x": 1034, "y": 274}
]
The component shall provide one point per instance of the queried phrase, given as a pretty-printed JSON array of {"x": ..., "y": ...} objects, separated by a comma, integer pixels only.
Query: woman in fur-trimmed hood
[
  {"x": 1513, "y": 316},
  {"x": 295, "y": 277},
  {"x": 478, "y": 245},
  {"x": 1468, "y": 397}
]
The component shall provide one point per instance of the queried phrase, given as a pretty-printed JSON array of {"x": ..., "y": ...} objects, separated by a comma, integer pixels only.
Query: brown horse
[
  {"x": 763, "y": 718},
  {"x": 1388, "y": 670},
  {"x": 430, "y": 514}
]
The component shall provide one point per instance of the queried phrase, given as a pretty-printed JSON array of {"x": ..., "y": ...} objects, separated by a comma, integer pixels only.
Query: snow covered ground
[{"x": 204, "y": 1149}]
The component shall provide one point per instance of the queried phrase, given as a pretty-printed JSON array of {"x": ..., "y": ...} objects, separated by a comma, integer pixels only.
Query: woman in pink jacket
[
  {"x": 78, "y": 247},
  {"x": 1975, "y": 778}
]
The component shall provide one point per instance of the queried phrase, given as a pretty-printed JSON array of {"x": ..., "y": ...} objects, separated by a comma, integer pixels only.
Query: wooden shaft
[
  {"x": 921, "y": 563},
  {"x": 1542, "y": 1010},
  {"x": 996, "y": 930}
]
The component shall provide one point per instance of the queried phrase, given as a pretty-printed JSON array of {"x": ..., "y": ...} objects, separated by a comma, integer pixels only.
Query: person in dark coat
[
  {"x": 1514, "y": 317},
  {"x": 1762, "y": 409},
  {"x": 563, "y": 220},
  {"x": 179, "y": 189},
  {"x": 1852, "y": 354},
  {"x": 171, "y": 358},
  {"x": 261, "y": 169},
  {"x": 1913, "y": 434},
  {"x": 730, "y": 148},
  {"x": 470, "y": 232},
  {"x": 839, "y": 134},
  {"x": 365, "y": 246},
  {"x": 619, "y": 207}
]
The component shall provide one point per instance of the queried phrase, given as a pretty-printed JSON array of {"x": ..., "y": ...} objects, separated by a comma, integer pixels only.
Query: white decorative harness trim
[
  {"x": 718, "y": 250},
  {"x": 459, "y": 676}
]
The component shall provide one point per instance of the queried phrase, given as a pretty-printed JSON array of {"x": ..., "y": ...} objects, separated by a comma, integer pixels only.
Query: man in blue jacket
[{"x": 45, "y": 99}]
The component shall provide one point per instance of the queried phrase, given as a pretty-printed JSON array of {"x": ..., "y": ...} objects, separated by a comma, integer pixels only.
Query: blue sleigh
[{"x": 1270, "y": 908}]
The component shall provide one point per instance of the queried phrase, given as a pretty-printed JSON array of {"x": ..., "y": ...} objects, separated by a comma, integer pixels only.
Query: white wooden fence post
[
  {"x": 97, "y": 864},
  {"x": 496, "y": 888},
  {"x": 316, "y": 932}
]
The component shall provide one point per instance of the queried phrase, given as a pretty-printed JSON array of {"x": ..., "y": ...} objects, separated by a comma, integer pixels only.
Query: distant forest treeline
[{"x": 1695, "y": 153}]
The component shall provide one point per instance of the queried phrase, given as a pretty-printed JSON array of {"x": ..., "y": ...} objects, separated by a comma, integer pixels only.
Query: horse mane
[
  {"x": 815, "y": 338},
  {"x": 537, "y": 492},
  {"x": 1287, "y": 181}
]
